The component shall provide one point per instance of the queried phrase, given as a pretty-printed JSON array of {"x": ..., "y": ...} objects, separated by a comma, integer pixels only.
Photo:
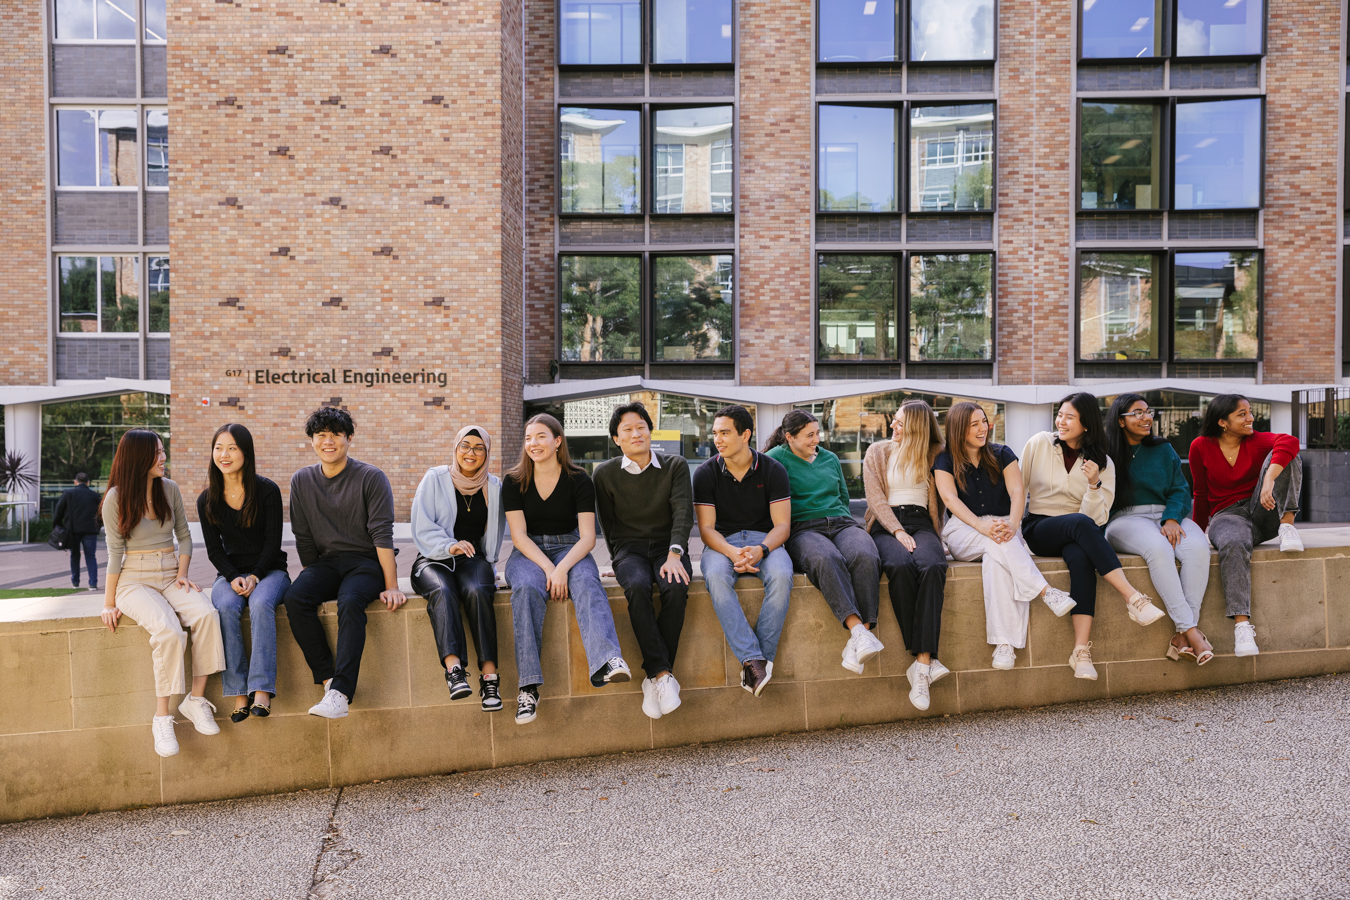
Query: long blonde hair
[{"x": 920, "y": 442}]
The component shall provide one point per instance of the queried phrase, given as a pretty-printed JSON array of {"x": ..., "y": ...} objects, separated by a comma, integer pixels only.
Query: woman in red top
[{"x": 1247, "y": 486}]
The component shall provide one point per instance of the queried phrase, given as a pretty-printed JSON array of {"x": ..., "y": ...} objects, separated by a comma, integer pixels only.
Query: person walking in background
[
  {"x": 457, "y": 524},
  {"x": 643, "y": 501},
  {"x": 240, "y": 512},
  {"x": 981, "y": 485},
  {"x": 744, "y": 506},
  {"x": 342, "y": 513},
  {"x": 77, "y": 511},
  {"x": 903, "y": 517},
  {"x": 1150, "y": 517},
  {"x": 826, "y": 543},
  {"x": 142, "y": 514},
  {"x": 1247, "y": 486},
  {"x": 550, "y": 508},
  {"x": 1071, "y": 484}
]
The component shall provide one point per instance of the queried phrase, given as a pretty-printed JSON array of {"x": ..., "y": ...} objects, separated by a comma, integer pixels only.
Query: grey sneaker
[{"x": 200, "y": 712}]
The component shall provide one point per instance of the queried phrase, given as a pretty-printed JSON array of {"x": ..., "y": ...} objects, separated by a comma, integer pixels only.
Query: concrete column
[
  {"x": 1021, "y": 421},
  {"x": 768, "y": 416},
  {"x": 1282, "y": 418},
  {"x": 23, "y": 434}
]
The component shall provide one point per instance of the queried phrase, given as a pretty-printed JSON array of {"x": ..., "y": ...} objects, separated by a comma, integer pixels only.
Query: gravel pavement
[{"x": 1235, "y": 792}]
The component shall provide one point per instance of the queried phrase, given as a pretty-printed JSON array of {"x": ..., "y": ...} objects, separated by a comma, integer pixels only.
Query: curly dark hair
[{"x": 332, "y": 419}]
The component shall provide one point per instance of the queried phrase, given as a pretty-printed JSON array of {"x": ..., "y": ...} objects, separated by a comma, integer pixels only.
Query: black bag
[{"x": 59, "y": 539}]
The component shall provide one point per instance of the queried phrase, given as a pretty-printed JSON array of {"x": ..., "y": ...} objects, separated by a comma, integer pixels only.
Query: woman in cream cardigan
[
  {"x": 1071, "y": 483},
  {"x": 903, "y": 517}
]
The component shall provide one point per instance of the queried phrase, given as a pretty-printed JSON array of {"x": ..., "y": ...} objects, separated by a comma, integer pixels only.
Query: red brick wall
[
  {"x": 541, "y": 197},
  {"x": 513, "y": 231}
]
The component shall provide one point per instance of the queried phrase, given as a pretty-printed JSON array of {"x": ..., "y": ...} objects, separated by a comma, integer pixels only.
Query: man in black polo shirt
[{"x": 744, "y": 508}]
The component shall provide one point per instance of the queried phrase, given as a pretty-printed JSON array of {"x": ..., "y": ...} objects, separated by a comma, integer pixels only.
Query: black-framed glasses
[
  {"x": 477, "y": 450},
  {"x": 1139, "y": 414}
]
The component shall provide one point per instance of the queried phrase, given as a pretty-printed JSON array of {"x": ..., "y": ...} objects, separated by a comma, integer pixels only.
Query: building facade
[{"x": 441, "y": 213}]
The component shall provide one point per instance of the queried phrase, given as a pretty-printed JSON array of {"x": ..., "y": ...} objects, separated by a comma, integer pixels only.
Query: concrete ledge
[{"x": 75, "y": 701}]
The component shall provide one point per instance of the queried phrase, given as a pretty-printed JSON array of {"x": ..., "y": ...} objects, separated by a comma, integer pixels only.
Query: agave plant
[{"x": 16, "y": 473}]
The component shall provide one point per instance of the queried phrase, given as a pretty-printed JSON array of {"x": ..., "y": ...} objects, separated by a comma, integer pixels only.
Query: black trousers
[
  {"x": 455, "y": 588},
  {"x": 916, "y": 581},
  {"x": 353, "y": 580},
  {"x": 89, "y": 543},
  {"x": 1083, "y": 546},
  {"x": 637, "y": 567}
]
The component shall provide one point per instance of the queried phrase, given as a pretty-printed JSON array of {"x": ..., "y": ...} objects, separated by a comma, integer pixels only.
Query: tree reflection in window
[
  {"x": 1217, "y": 306},
  {"x": 601, "y": 308},
  {"x": 1118, "y": 306},
  {"x": 1119, "y": 166},
  {"x": 693, "y": 307},
  {"x": 951, "y": 306},
  {"x": 856, "y": 307}
]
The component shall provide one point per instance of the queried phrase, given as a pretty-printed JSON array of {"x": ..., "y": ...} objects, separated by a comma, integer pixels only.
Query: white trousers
[{"x": 1011, "y": 579}]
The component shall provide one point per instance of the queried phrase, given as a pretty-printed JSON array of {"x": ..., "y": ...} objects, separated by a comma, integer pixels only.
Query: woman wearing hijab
[{"x": 457, "y": 524}]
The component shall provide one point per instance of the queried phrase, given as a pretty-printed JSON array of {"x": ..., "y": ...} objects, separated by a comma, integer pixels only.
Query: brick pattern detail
[
  {"x": 1115, "y": 227},
  {"x": 1126, "y": 77},
  {"x": 154, "y": 71},
  {"x": 511, "y": 406},
  {"x": 1215, "y": 75},
  {"x": 95, "y": 217},
  {"x": 541, "y": 191},
  {"x": 156, "y": 217},
  {"x": 91, "y": 70},
  {"x": 157, "y": 357},
  {"x": 99, "y": 358},
  {"x": 694, "y": 84},
  {"x": 886, "y": 80},
  {"x": 948, "y": 80}
]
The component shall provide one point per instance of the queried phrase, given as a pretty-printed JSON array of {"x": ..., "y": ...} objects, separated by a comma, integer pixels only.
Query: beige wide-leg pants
[{"x": 146, "y": 593}]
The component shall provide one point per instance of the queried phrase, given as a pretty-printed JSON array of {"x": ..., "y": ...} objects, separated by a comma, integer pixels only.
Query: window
[
  {"x": 693, "y": 163},
  {"x": 1121, "y": 29},
  {"x": 98, "y": 20},
  {"x": 945, "y": 30},
  {"x": 692, "y": 31},
  {"x": 951, "y": 306},
  {"x": 1220, "y": 27},
  {"x": 97, "y": 148},
  {"x": 1134, "y": 29},
  {"x": 857, "y": 307},
  {"x": 859, "y": 31},
  {"x": 157, "y": 294},
  {"x": 1120, "y": 156},
  {"x": 99, "y": 294},
  {"x": 599, "y": 34},
  {"x": 156, "y": 30},
  {"x": 1218, "y": 154},
  {"x": 601, "y": 308},
  {"x": 857, "y": 169},
  {"x": 156, "y": 148},
  {"x": 1216, "y": 308},
  {"x": 951, "y": 158},
  {"x": 693, "y": 307},
  {"x": 601, "y": 168},
  {"x": 1118, "y": 306}
]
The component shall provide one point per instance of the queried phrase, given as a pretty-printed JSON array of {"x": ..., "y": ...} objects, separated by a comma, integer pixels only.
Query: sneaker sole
[
  {"x": 1149, "y": 619},
  {"x": 173, "y": 752},
  {"x": 467, "y": 692},
  {"x": 487, "y": 707},
  {"x": 1092, "y": 677},
  {"x": 1005, "y": 668},
  {"x": 666, "y": 712},
  {"x": 618, "y": 677},
  {"x": 1061, "y": 613},
  {"x": 768, "y": 676},
  {"x": 327, "y": 716},
  {"x": 915, "y": 703},
  {"x": 520, "y": 721},
  {"x": 870, "y": 654},
  {"x": 855, "y": 669},
  {"x": 653, "y": 713},
  {"x": 1256, "y": 652}
]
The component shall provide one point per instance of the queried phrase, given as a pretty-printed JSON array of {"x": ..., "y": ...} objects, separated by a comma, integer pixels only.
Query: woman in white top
[{"x": 1071, "y": 482}]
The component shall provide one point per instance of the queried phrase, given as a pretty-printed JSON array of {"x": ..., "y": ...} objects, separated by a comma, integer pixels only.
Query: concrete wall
[{"x": 75, "y": 701}]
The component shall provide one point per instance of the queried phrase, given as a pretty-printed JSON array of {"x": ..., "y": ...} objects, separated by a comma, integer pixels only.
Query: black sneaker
[
  {"x": 615, "y": 670},
  {"x": 488, "y": 688},
  {"x": 527, "y": 704},
  {"x": 458, "y": 683}
]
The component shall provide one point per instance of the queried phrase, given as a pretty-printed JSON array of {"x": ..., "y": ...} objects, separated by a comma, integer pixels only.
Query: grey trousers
[{"x": 1234, "y": 530}]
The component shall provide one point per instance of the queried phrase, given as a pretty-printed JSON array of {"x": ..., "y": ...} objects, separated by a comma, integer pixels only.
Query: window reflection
[
  {"x": 116, "y": 20},
  {"x": 951, "y": 161},
  {"x": 1218, "y": 155},
  {"x": 78, "y": 293},
  {"x": 77, "y": 158},
  {"x": 1217, "y": 308},
  {"x": 693, "y": 307},
  {"x": 692, "y": 31},
  {"x": 120, "y": 290},
  {"x": 693, "y": 164},
  {"x": 601, "y": 318},
  {"x": 157, "y": 293},
  {"x": 600, "y": 153},
  {"x": 1219, "y": 27},
  {"x": 155, "y": 25},
  {"x": 117, "y": 157},
  {"x": 1118, "y": 306},
  {"x": 951, "y": 29},
  {"x": 951, "y": 306},
  {"x": 586, "y": 423},
  {"x": 1119, "y": 156},
  {"x": 856, "y": 307},
  {"x": 858, "y": 30},
  {"x": 857, "y": 159},
  {"x": 98, "y": 294},
  {"x": 157, "y": 147},
  {"x": 1121, "y": 29},
  {"x": 74, "y": 20},
  {"x": 597, "y": 34}
]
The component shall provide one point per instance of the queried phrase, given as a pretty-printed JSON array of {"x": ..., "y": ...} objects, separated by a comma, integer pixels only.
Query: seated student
[
  {"x": 981, "y": 485},
  {"x": 744, "y": 508},
  {"x": 642, "y": 499},
  {"x": 342, "y": 513},
  {"x": 903, "y": 517},
  {"x": 826, "y": 543},
  {"x": 550, "y": 508},
  {"x": 457, "y": 525},
  {"x": 1071, "y": 482},
  {"x": 1247, "y": 486},
  {"x": 1150, "y": 517},
  {"x": 240, "y": 512}
]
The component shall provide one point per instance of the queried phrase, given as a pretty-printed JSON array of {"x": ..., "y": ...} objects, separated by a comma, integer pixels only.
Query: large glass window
[
  {"x": 692, "y": 31},
  {"x": 601, "y": 308},
  {"x": 1216, "y": 306},
  {"x": 857, "y": 169},
  {"x": 951, "y": 158},
  {"x": 97, "y": 148},
  {"x": 858, "y": 30},
  {"x": 1118, "y": 306},
  {"x": 601, "y": 153},
  {"x": 1133, "y": 29},
  {"x": 1219, "y": 27},
  {"x": 951, "y": 306},
  {"x": 951, "y": 30},
  {"x": 157, "y": 148},
  {"x": 693, "y": 164},
  {"x": 857, "y": 307},
  {"x": 1121, "y": 29},
  {"x": 157, "y": 294},
  {"x": 598, "y": 34},
  {"x": 96, "y": 20},
  {"x": 99, "y": 293},
  {"x": 1218, "y": 154},
  {"x": 156, "y": 30},
  {"x": 1120, "y": 156},
  {"x": 693, "y": 307}
]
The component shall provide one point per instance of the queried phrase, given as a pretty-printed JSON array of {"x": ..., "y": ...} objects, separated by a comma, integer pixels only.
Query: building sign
[{"x": 368, "y": 377}]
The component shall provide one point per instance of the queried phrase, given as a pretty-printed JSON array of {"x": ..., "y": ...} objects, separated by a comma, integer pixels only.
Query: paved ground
[{"x": 1237, "y": 792}]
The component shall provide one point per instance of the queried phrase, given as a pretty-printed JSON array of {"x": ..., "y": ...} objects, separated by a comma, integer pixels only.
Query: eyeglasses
[
  {"x": 470, "y": 448},
  {"x": 1139, "y": 414}
]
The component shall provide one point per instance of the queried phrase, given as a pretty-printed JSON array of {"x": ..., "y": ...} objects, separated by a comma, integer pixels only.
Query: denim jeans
[
  {"x": 775, "y": 570},
  {"x": 1235, "y": 530},
  {"x": 354, "y": 581},
  {"x": 841, "y": 560},
  {"x": 260, "y": 673},
  {"x": 637, "y": 568},
  {"x": 1138, "y": 529},
  {"x": 89, "y": 543},
  {"x": 529, "y": 602}
]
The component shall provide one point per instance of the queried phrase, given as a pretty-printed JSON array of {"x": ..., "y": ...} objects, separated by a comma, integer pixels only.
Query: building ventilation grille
[
  {"x": 154, "y": 71},
  {"x": 598, "y": 370},
  {"x": 703, "y": 83},
  {"x": 575, "y": 232},
  {"x": 98, "y": 358},
  {"x": 951, "y": 80},
  {"x": 156, "y": 217},
  {"x": 89, "y": 70},
  {"x": 1207, "y": 75},
  {"x": 847, "y": 229},
  {"x": 884, "y": 80},
  {"x": 1116, "y": 227},
  {"x": 601, "y": 84},
  {"x": 694, "y": 230},
  {"x": 157, "y": 358},
  {"x": 1216, "y": 369},
  {"x": 1115, "y": 370},
  {"x": 1127, "y": 77},
  {"x": 95, "y": 217},
  {"x": 945, "y": 229},
  {"x": 1212, "y": 226}
]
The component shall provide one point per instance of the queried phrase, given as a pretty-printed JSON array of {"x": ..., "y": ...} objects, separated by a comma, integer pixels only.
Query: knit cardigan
[
  {"x": 1054, "y": 492},
  {"x": 876, "y": 463}
]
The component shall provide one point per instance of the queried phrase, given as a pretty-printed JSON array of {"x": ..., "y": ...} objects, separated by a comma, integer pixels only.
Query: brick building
[{"x": 436, "y": 213}]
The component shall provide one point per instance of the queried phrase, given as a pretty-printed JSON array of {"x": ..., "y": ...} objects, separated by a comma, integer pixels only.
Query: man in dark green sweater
[{"x": 645, "y": 503}]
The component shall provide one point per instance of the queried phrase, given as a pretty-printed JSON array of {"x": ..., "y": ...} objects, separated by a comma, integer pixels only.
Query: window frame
[
  {"x": 896, "y": 107},
  {"x": 1170, "y": 303},
  {"x": 1171, "y": 173},
  {"x": 905, "y": 166},
  {"x": 649, "y": 159},
  {"x": 647, "y": 46},
  {"x": 1168, "y": 49},
  {"x": 903, "y": 44},
  {"x": 993, "y": 309},
  {"x": 135, "y": 110},
  {"x": 145, "y": 151},
  {"x": 650, "y": 312},
  {"x": 138, "y": 28},
  {"x": 643, "y": 175},
  {"x": 142, "y": 295},
  {"x": 642, "y": 308},
  {"x": 907, "y": 36},
  {"x": 145, "y": 289}
]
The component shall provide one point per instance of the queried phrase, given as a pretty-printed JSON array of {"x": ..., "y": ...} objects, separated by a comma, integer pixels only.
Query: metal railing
[
  {"x": 1321, "y": 418},
  {"x": 14, "y": 518}
]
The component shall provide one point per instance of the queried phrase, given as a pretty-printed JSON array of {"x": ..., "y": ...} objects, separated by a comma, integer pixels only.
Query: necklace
[{"x": 468, "y": 502}]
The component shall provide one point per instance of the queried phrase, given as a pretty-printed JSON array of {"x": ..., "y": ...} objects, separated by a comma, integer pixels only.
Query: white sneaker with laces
[
  {"x": 198, "y": 711},
  {"x": 1081, "y": 662},
  {"x": 1141, "y": 609},
  {"x": 937, "y": 671},
  {"x": 668, "y": 693},
  {"x": 1244, "y": 639},
  {"x": 1290, "y": 541},
  {"x": 166, "y": 743},
  {"x": 332, "y": 706},
  {"x": 1004, "y": 657},
  {"x": 1058, "y": 601},
  {"x": 919, "y": 678},
  {"x": 651, "y": 707},
  {"x": 862, "y": 645}
]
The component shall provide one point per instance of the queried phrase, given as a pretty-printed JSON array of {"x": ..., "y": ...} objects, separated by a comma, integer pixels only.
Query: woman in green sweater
[
  {"x": 826, "y": 542},
  {"x": 1150, "y": 517}
]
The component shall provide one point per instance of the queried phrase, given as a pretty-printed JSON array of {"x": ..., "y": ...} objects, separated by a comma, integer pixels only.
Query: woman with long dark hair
[
  {"x": 550, "y": 507},
  {"x": 142, "y": 514},
  {"x": 826, "y": 543},
  {"x": 240, "y": 512},
  {"x": 1150, "y": 517},
  {"x": 1071, "y": 482},
  {"x": 1247, "y": 486}
]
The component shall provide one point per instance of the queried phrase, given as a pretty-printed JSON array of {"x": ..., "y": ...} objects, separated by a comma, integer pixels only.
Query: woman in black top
[
  {"x": 240, "y": 512},
  {"x": 550, "y": 507}
]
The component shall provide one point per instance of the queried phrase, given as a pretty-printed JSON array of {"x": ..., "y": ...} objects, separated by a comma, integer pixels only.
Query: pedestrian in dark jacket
[{"x": 77, "y": 512}]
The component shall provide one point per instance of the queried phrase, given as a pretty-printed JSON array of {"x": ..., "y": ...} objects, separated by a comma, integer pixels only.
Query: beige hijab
[{"x": 466, "y": 484}]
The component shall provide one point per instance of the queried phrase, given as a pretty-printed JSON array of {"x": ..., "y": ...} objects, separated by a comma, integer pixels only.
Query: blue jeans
[
  {"x": 89, "y": 543},
  {"x": 238, "y": 679},
  {"x": 775, "y": 570},
  {"x": 1138, "y": 529},
  {"x": 529, "y": 602}
]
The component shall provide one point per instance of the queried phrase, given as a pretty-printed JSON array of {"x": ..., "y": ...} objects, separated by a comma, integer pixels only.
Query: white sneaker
[
  {"x": 1244, "y": 639},
  {"x": 668, "y": 693},
  {"x": 1141, "y": 609},
  {"x": 1080, "y": 660},
  {"x": 198, "y": 711},
  {"x": 1004, "y": 657},
  {"x": 1058, "y": 601},
  {"x": 937, "y": 671},
  {"x": 332, "y": 706},
  {"x": 919, "y": 677},
  {"x": 166, "y": 744},
  {"x": 862, "y": 645},
  {"x": 1290, "y": 542},
  {"x": 651, "y": 707}
]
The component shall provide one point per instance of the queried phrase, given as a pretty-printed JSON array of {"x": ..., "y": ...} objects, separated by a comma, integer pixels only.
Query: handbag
[{"x": 59, "y": 539}]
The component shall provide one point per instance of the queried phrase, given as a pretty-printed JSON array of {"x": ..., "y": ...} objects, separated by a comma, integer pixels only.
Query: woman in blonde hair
[{"x": 904, "y": 517}]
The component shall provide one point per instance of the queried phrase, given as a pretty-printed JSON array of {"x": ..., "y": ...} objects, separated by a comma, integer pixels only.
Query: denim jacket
[{"x": 433, "y": 515}]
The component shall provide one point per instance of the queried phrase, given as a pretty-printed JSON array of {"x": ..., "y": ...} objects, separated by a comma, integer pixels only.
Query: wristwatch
[
  {"x": 677, "y": 549},
  {"x": 764, "y": 550}
]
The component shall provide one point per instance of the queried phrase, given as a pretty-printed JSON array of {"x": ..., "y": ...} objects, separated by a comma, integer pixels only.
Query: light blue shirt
[{"x": 433, "y": 515}]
